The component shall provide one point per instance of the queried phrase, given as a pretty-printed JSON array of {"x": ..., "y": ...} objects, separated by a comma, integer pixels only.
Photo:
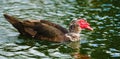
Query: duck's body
[{"x": 43, "y": 30}]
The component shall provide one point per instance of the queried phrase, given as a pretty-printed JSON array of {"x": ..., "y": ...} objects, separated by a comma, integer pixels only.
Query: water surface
[{"x": 102, "y": 43}]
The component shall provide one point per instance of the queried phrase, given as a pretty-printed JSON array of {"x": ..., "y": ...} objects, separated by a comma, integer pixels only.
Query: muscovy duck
[{"x": 46, "y": 30}]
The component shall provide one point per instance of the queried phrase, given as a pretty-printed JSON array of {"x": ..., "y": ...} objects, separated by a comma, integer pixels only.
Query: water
[{"x": 102, "y": 43}]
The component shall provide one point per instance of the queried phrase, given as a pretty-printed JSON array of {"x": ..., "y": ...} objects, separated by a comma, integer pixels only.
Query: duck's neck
[{"x": 74, "y": 33}]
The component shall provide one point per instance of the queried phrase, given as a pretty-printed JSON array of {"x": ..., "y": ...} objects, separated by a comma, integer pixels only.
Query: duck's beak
[{"x": 89, "y": 28}]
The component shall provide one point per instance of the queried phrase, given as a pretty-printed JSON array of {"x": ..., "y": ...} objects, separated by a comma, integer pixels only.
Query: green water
[{"x": 102, "y": 43}]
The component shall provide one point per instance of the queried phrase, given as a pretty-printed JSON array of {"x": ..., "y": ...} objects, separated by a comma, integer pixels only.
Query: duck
[{"x": 45, "y": 30}]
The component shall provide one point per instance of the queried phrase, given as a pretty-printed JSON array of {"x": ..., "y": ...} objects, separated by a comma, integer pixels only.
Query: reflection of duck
[
  {"x": 77, "y": 54},
  {"x": 45, "y": 30}
]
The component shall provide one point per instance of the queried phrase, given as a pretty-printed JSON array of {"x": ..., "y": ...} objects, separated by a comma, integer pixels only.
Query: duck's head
[{"x": 78, "y": 24}]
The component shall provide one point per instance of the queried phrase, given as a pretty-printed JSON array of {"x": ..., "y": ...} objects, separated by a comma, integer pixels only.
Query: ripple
[{"x": 103, "y": 17}]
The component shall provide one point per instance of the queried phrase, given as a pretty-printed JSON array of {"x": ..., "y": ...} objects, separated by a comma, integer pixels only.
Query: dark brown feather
[
  {"x": 40, "y": 29},
  {"x": 16, "y": 23},
  {"x": 64, "y": 30}
]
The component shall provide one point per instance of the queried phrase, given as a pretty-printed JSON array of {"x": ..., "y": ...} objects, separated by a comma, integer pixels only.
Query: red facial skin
[{"x": 84, "y": 24}]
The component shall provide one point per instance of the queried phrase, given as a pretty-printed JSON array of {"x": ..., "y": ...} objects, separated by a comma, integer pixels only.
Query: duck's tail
[
  {"x": 15, "y": 22},
  {"x": 11, "y": 19}
]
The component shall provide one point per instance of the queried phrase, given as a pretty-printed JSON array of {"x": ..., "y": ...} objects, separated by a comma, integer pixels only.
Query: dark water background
[{"x": 102, "y": 43}]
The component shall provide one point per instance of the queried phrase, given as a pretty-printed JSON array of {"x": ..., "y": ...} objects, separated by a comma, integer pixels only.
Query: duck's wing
[
  {"x": 62, "y": 29},
  {"x": 44, "y": 23},
  {"x": 44, "y": 31},
  {"x": 47, "y": 30}
]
